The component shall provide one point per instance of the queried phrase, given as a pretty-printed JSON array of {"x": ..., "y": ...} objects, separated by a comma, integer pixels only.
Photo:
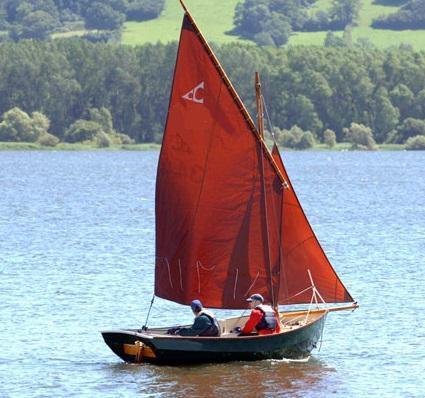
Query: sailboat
[{"x": 228, "y": 224}]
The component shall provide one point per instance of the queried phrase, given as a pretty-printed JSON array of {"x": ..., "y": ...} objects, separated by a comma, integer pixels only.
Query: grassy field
[{"x": 215, "y": 19}]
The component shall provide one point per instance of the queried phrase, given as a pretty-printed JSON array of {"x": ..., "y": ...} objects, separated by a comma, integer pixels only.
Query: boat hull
[{"x": 136, "y": 347}]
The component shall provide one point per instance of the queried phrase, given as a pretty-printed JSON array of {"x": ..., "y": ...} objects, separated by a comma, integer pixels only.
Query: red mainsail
[{"x": 222, "y": 226}]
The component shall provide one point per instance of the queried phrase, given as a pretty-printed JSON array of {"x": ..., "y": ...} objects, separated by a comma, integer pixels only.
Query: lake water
[{"x": 77, "y": 253}]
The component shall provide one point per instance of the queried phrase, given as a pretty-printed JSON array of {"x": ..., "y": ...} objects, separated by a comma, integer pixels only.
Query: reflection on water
[
  {"x": 244, "y": 379},
  {"x": 77, "y": 252}
]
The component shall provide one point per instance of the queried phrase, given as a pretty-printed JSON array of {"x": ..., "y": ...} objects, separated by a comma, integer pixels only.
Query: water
[{"x": 76, "y": 257}]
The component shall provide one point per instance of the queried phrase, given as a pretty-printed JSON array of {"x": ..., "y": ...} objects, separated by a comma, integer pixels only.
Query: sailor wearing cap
[
  {"x": 263, "y": 318},
  {"x": 205, "y": 323}
]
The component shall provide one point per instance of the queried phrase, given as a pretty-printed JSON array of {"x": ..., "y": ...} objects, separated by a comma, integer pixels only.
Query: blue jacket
[{"x": 205, "y": 324}]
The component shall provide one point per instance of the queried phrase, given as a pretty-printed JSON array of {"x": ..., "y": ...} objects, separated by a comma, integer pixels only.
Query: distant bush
[
  {"x": 48, "y": 139},
  {"x": 17, "y": 125},
  {"x": 125, "y": 139},
  {"x": 82, "y": 130},
  {"x": 307, "y": 141},
  {"x": 295, "y": 138},
  {"x": 416, "y": 143},
  {"x": 329, "y": 138},
  {"x": 360, "y": 136},
  {"x": 103, "y": 140},
  {"x": 286, "y": 139},
  {"x": 410, "y": 127}
]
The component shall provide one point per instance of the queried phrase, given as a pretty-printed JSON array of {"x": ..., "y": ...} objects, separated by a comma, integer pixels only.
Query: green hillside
[{"x": 215, "y": 19}]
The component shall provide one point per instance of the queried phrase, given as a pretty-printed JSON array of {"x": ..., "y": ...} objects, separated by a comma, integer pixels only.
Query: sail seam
[
  {"x": 236, "y": 282},
  {"x": 169, "y": 272},
  {"x": 252, "y": 284}
]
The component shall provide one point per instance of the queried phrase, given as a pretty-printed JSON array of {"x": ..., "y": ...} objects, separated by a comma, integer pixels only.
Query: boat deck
[{"x": 289, "y": 322}]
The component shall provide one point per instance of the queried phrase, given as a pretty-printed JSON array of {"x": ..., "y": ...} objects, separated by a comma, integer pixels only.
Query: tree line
[
  {"x": 271, "y": 22},
  {"x": 37, "y": 19},
  {"x": 410, "y": 16},
  {"x": 79, "y": 86}
]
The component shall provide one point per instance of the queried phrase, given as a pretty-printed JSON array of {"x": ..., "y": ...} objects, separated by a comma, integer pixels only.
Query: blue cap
[
  {"x": 257, "y": 297},
  {"x": 196, "y": 305}
]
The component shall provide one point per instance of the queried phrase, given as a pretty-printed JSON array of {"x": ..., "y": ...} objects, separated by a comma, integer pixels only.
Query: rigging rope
[
  {"x": 147, "y": 317},
  {"x": 269, "y": 120}
]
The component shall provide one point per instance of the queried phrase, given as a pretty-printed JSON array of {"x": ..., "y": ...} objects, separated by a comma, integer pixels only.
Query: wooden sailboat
[{"x": 228, "y": 224}]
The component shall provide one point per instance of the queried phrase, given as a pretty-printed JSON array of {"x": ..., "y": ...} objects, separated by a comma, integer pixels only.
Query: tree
[
  {"x": 345, "y": 12},
  {"x": 332, "y": 40},
  {"x": 385, "y": 116},
  {"x": 48, "y": 139},
  {"x": 303, "y": 113},
  {"x": 140, "y": 10},
  {"x": 103, "y": 16},
  {"x": 83, "y": 130},
  {"x": 409, "y": 128},
  {"x": 36, "y": 25},
  {"x": 295, "y": 138},
  {"x": 17, "y": 125},
  {"x": 40, "y": 123},
  {"x": 360, "y": 136},
  {"x": 329, "y": 138},
  {"x": 103, "y": 117},
  {"x": 307, "y": 141},
  {"x": 416, "y": 143},
  {"x": 278, "y": 27},
  {"x": 402, "y": 97}
]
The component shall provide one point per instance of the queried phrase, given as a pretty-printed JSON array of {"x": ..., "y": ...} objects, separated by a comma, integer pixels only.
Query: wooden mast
[
  {"x": 260, "y": 127},
  {"x": 235, "y": 96},
  {"x": 259, "y": 101}
]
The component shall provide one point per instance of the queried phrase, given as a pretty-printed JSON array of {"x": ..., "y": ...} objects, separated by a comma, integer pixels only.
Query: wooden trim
[
  {"x": 139, "y": 350},
  {"x": 351, "y": 307}
]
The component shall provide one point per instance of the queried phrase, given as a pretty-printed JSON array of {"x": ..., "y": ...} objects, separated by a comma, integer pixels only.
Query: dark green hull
[{"x": 163, "y": 349}]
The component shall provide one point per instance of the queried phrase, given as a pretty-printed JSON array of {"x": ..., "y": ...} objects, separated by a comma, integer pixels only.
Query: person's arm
[
  {"x": 201, "y": 324},
  {"x": 252, "y": 322}
]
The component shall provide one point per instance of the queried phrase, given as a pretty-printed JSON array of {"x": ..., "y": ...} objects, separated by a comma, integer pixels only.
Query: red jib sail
[
  {"x": 219, "y": 200},
  {"x": 301, "y": 251}
]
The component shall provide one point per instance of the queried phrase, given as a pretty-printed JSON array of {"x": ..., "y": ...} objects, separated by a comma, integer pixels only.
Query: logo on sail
[{"x": 194, "y": 95}]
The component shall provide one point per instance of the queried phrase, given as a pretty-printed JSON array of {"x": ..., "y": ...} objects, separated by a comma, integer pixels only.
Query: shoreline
[{"x": 30, "y": 146}]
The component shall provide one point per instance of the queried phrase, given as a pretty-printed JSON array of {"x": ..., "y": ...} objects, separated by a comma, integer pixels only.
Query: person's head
[
  {"x": 255, "y": 299},
  {"x": 196, "y": 306}
]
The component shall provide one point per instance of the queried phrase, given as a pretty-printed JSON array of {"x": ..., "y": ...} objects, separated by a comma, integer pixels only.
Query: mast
[
  {"x": 260, "y": 126},
  {"x": 259, "y": 101},
  {"x": 235, "y": 95}
]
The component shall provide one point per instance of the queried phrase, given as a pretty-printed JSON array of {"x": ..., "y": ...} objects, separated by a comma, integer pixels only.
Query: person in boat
[
  {"x": 205, "y": 323},
  {"x": 263, "y": 318}
]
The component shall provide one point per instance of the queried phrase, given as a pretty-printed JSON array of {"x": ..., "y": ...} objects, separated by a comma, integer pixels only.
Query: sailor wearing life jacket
[
  {"x": 263, "y": 318},
  {"x": 205, "y": 323}
]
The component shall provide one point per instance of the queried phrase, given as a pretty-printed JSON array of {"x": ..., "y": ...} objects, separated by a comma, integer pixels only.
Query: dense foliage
[
  {"x": 126, "y": 90},
  {"x": 270, "y": 22},
  {"x": 37, "y": 19},
  {"x": 410, "y": 16}
]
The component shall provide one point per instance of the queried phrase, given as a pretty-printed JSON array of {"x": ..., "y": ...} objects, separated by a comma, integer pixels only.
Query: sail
[
  {"x": 226, "y": 226},
  {"x": 302, "y": 252},
  {"x": 215, "y": 188}
]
